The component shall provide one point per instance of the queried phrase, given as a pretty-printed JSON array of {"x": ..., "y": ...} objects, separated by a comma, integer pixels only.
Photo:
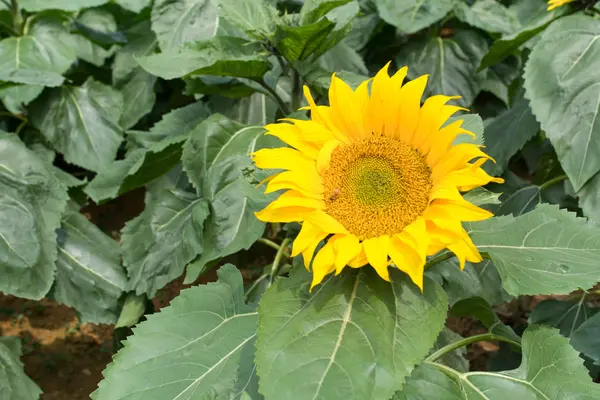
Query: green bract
[{"x": 154, "y": 108}]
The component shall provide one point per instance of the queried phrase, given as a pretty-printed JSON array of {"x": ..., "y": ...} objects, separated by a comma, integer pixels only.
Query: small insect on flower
[
  {"x": 378, "y": 176},
  {"x": 552, "y": 4}
]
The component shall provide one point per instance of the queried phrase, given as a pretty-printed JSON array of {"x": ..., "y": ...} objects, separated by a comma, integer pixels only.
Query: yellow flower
[
  {"x": 552, "y": 4},
  {"x": 378, "y": 176}
]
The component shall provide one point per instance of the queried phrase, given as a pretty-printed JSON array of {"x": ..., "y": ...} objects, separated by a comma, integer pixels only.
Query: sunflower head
[
  {"x": 552, "y": 4},
  {"x": 377, "y": 175}
]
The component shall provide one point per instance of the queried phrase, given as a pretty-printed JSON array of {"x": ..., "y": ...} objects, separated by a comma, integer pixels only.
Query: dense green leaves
[
  {"x": 567, "y": 316},
  {"x": 31, "y": 202},
  {"x": 542, "y": 252},
  {"x": 66, "y": 5},
  {"x": 81, "y": 122},
  {"x": 191, "y": 349},
  {"x": 410, "y": 16},
  {"x": 255, "y": 17},
  {"x": 479, "y": 308},
  {"x": 89, "y": 275},
  {"x": 450, "y": 62},
  {"x": 563, "y": 84},
  {"x": 550, "y": 369},
  {"x": 489, "y": 15},
  {"x": 354, "y": 316},
  {"x": 14, "y": 384},
  {"x": 101, "y": 23}
]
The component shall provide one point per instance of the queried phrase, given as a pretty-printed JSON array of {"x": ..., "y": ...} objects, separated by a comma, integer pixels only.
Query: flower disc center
[{"x": 376, "y": 186}]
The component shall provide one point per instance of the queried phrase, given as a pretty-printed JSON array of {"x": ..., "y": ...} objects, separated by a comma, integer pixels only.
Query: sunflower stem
[
  {"x": 467, "y": 341},
  {"x": 282, "y": 105},
  {"x": 277, "y": 260},
  {"x": 438, "y": 259},
  {"x": 254, "y": 286},
  {"x": 16, "y": 14},
  {"x": 296, "y": 90},
  {"x": 269, "y": 243},
  {"x": 553, "y": 182}
]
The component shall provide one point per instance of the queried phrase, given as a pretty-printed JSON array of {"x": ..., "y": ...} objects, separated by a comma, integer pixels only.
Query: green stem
[
  {"x": 9, "y": 114},
  {"x": 284, "y": 66},
  {"x": 277, "y": 260},
  {"x": 296, "y": 90},
  {"x": 467, "y": 341},
  {"x": 254, "y": 286},
  {"x": 553, "y": 182},
  {"x": 16, "y": 14},
  {"x": 438, "y": 259},
  {"x": 20, "y": 127},
  {"x": 269, "y": 243},
  {"x": 282, "y": 106}
]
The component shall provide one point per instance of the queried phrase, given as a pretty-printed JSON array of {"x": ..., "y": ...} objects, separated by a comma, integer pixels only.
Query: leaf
[
  {"x": 479, "y": 279},
  {"x": 520, "y": 202},
  {"x": 546, "y": 251},
  {"x": 165, "y": 237},
  {"x": 451, "y": 62},
  {"x": 567, "y": 316},
  {"x": 15, "y": 98},
  {"x": 355, "y": 337},
  {"x": 221, "y": 56},
  {"x": 255, "y": 17},
  {"x": 14, "y": 383},
  {"x": 133, "y": 309},
  {"x": 566, "y": 97},
  {"x": 141, "y": 42},
  {"x": 472, "y": 123},
  {"x": 479, "y": 308},
  {"x": 175, "y": 356},
  {"x": 488, "y": 15},
  {"x": 89, "y": 275},
  {"x": 410, "y": 16},
  {"x": 65, "y": 5},
  {"x": 315, "y": 37},
  {"x": 550, "y": 369},
  {"x": 102, "y": 22},
  {"x": 177, "y": 22},
  {"x": 589, "y": 198},
  {"x": 138, "y": 97},
  {"x": 81, "y": 122},
  {"x": 455, "y": 359},
  {"x": 507, "y": 133},
  {"x": 343, "y": 58},
  {"x": 585, "y": 338},
  {"x": 481, "y": 197},
  {"x": 134, "y": 5},
  {"x": 31, "y": 202}
]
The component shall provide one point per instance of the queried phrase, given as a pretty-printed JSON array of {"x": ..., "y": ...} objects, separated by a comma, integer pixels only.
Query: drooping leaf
[
  {"x": 567, "y": 316},
  {"x": 31, "y": 202},
  {"x": 89, "y": 275},
  {"x": 138, "y": 97},
  {"x": 132, "y": 310},
  {"x": 257, "y": 18},
  {"x": 589, "y": 198},
  {"x": 410, "y": 16},
  {"x": 489, "y": 15},
  {"x": 355, "y": 337},
  {"x": 65, "y": 5},
  {"x": 14, "y": 383},
  {"x": 482, "y": 310},
  {"x": 450, "y": 62},
  {"x": 546, "y": 251},
  {"x": 564, "y": 88},
  {"x": 177, "y": 22},
  {"x": 81, "y": 122},
  {"x": 165, "y": 237},
  {"x": 102, "y": 22},
  {"x": 173, "y": 356},
  {"x": 221, "y": 56},
  {"x": 551, "y": 369}
]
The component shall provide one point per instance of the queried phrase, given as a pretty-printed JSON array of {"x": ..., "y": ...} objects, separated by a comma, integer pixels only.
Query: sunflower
[
  {"x": 378, "y": 176},
  {"x": 552, "y": 4}
]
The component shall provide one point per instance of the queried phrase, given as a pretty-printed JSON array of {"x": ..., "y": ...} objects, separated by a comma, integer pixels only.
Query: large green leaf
[
  {"x": 89, "y": 274},
  {"x": 551, "y": 369},
  {"x": 102, "y": 22},
  {"x": 586, "y": 338},
  {"x": 66, "y": 5},
  {"x": 14, "y": 384},
  {"x": 567, "y": 316},
  {"x": 563, "y": 84},
  {"x": 410, "y": 16},
  {"x": 221, "y": 56},
  {"x": 153, "y": 159},
  {"x": 355, "y": 337},
  {"x": 81, "y": 122},
  {"x": 257, "y": 18},
  {"x": 141, "y": 42},
  {"x": 31, "y": 202},
  {"x": 315, "y": 36},
  {"x": 139, "y": 97},
  {"x": 450, "y": 62},
  {"x": 177, "y": 22},
  {"x": 134, "y": 5},
  {"x": 546, "y": 251},
  {"x": 166, "y": 236},
  {"x": 15, "y": 98},
  {"x": 489, "y": 15},
  {"x": 190, "y": 350}
]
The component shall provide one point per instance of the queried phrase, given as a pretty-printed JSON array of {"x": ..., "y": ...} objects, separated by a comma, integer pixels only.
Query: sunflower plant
[{"x": 350, "y": 177}]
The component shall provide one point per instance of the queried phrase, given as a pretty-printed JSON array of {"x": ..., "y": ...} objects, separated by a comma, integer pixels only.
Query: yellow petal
[
  {"x": 376, "y": 250},
  {"x": 408, "y": 114},
  {"x": 311, "y": 131},
  {"x": 429, "y": 116},
  {"x": 456, "y": 158},
  {"x": 444, "y": 139},
  {"x": 323, "y": 116},
  {"x": 282, "y": 158},
  {"x": 379, "y": 99},
  {"x": 360, "y": 260},
  {"x": 307, "y": 236},
  {"x": 286, "y": 214},
  {"x": 465, "y": 250},
  {"x": 306, "y": 183},
  {"x": 325, "y": 222},
  {"x": 324, "y": 156},
  {"x": 347, "y": 247},
  {"x": 463, "y": 210},
  {"x": 307, "y": 254},
  {"x": 407, "y": 260},
  {"x": 293, "y": 198},
  {"x": 418, "y": 232},
  {"x": 323, "y": 264},
  {"x": 290, "y": 134},
  {"x": 345, "y": 113}
]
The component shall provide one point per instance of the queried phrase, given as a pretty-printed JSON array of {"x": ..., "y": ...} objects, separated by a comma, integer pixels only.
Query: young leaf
[
  {"x": 81, "y": 122},
  {"x": 165, "y": 237},
  {"x": 31, "y": 202},
  {"x": 65, "y": 5},
  {"x": 355, "y": 337},
  {"x": 546, "y": 251},
  {"x": 551, "y": 369},
  {"x": 221, "y": 56},
  {"x": 177, "y": 22},
  {"x": 410, "y": 16},
  {"x": 257, "y": 18},
  {"x": 479, "y": 308},
  {"x": 564, "y": 88},
  {"x": 192, "y": 349},
  {"x": 89, "y": 275},
  {"x": 489, "y": 15},
  {"x": 14, "y": 383},
  {"x": 451, "y": 62}
]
